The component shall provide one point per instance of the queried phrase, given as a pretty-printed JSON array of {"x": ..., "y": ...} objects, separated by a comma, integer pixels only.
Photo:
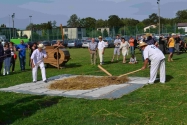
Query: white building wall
[
  {"x": 151, "y": 26},
  {"x": 102, "y": 29},
  {"x": 25, "y": 32},
  {"x": 73, "y": 33},
  {"x": 185, "y": 28}
]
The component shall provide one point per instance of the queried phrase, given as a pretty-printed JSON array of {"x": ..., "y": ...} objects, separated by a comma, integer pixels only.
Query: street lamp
[
  {"x": 158, "y": 2},
  {"x": 13, "y": 15},
  {"x": 9, "y": 27},
  {"x": 30, "y": 27}
]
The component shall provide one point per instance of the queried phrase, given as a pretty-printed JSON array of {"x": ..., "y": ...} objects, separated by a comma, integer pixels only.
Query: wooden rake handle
[
  {"x": 99, "y": 66},
  {"x": 130, "y": 73}
]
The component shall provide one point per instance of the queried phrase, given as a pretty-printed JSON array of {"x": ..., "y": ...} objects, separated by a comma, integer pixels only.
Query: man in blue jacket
[
  {"x": 22, "y": 54},
  {"x": 1, "y": 56}
]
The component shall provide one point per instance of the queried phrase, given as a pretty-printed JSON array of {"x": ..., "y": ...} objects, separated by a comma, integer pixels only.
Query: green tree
[
  {"x": 153, "y": 18},
  {"x": 181, "y": 15},
  {"x": 105, "y": 33},
  {"x": 73, "y": 21},
  {"x": 90, "y": 22},
  {"x": 114, "y": 21},
  {"x": 100, "y": 23},
  {"x": 129, "y": 22}
]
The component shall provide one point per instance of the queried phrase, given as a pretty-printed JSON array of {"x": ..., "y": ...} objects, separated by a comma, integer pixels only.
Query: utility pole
[
  {"x": 30, "y": 28},
  {"x": 158, "y": 2},
  {"x": 9, "y": 28},
  {"x": 13, "y": 15}
]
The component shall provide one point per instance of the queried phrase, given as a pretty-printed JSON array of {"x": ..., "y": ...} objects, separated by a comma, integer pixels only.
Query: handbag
[{"x": 15, "y": 56}]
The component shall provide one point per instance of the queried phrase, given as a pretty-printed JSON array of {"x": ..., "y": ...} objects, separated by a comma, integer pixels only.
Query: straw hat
[
  {"x": 100, "y": 37},
  {"x": 173, "y": 34},
  {"x": 142, "y": 44},
  {"x": 41, "y": 46}
]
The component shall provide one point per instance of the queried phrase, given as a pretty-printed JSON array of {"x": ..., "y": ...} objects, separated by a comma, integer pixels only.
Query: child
[{"x": 133, "y": 60}]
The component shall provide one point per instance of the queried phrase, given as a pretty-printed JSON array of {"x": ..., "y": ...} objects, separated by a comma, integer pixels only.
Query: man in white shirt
[
  {"x": 117, "y": 43},
  {"x": 37, "y": 60},
  {"x": 157, "y": 58},
  {"x": 92, "y": 48},
  {"x": 101, "y": 49}
]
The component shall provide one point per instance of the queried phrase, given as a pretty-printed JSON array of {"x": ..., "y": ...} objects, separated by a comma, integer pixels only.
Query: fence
[{"x": 79, "y": 33}]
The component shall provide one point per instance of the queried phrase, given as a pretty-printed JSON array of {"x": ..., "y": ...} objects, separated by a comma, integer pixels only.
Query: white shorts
[{"x": 116, "y": 51}]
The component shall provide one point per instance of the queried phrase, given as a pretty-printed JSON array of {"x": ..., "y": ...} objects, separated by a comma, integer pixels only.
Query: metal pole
[
  {"x": 30, "y": 28},
  {"x": 158, "y": 2},
  {"x": 9, "y": 27},
  {"x": 13, "y": 24}
]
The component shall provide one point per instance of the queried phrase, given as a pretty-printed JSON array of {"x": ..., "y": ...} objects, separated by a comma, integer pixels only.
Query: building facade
[
  {"x": 182, "y": 26},
  {"x": 74, "y": 33}
]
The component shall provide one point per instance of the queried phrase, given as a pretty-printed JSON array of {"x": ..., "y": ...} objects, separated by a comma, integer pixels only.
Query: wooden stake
[{"x": 99, "y": 66}]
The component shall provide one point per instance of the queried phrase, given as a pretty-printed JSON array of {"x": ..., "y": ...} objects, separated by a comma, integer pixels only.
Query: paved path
[{"x": 108, "y": 92}]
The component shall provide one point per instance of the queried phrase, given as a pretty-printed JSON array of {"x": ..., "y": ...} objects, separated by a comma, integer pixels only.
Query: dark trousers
[
  {"x": 1, "y": 65},
  {"x": 12, "y": 63},
  {"x": 22, "y": 62},
  {"x": 162, "y": 48}
]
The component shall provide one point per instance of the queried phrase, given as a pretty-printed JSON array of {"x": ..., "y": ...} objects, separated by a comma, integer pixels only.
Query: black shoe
[
  {"x": 34, "y": 81},
  {"x": 45, "y": 81}
]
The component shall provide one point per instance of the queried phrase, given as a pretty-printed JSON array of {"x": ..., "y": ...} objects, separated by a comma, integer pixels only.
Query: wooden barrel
[{"x": 57, "y": 56}]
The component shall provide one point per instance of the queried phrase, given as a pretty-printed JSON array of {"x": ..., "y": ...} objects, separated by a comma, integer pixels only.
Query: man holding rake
[
  {"x": 151, "y": 52},
  {"x": 37, "y": 60}
]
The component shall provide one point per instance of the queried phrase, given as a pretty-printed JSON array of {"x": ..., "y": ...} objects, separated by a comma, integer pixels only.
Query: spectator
[
  {"x": 7, "y": 59},
  {"x": 131, "y": 42},
  {"x": 22, "y": 54},
  {"x": 125, "y": 47},
  {"x": 171, "y": 44},
  {"x": 58, "y": 43},
  {"x": 101, "y": 49},
  {"x": 117, "y": 43},
  {"x": 162, "y": 46},
  {"x": 177, "y": 44},
  {"x": 37, "y": 60},
  {"x": 13, "y": 55},
  {"x": 92, "y": 48},
  {"x": 1, "y": 56},
  {"x": 133, "y": 60}
]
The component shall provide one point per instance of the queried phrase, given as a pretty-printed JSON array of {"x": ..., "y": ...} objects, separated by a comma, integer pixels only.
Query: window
[
  {"x": 66, "y": 29},
  {"x": 79, "y": 36},
  {"x": 79, "y": 29}
]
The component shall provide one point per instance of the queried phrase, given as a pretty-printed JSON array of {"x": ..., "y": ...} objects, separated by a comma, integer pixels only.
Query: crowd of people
[
  {"x": 152, "y": 53},
  {"x": 8, "y": 57},
  {"x": 152, "y": 50}
]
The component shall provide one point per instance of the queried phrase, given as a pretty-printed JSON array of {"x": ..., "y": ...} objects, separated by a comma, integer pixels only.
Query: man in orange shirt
[
  {"x": 131, "y": 42},
  {"x": 171, "y": 44}
]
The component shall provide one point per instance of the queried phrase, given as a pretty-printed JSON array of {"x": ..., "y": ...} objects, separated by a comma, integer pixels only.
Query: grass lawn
[{"x": 152, "y": 104}]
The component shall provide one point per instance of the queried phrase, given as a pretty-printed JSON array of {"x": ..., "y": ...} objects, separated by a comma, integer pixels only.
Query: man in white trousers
[
  {"x": 37, "y": 60},
  {"x": 157, "y": 58},
  {"x": 101, "y": 49}
]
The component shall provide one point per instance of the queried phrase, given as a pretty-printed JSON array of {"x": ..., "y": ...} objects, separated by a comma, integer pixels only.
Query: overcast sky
[{"x": 61, "y": 10}]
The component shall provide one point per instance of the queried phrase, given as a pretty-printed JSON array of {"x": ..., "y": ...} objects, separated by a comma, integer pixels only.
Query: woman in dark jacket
[
  {"x": 7, "y": 59},
  {"x": 13, "y": 52}
]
